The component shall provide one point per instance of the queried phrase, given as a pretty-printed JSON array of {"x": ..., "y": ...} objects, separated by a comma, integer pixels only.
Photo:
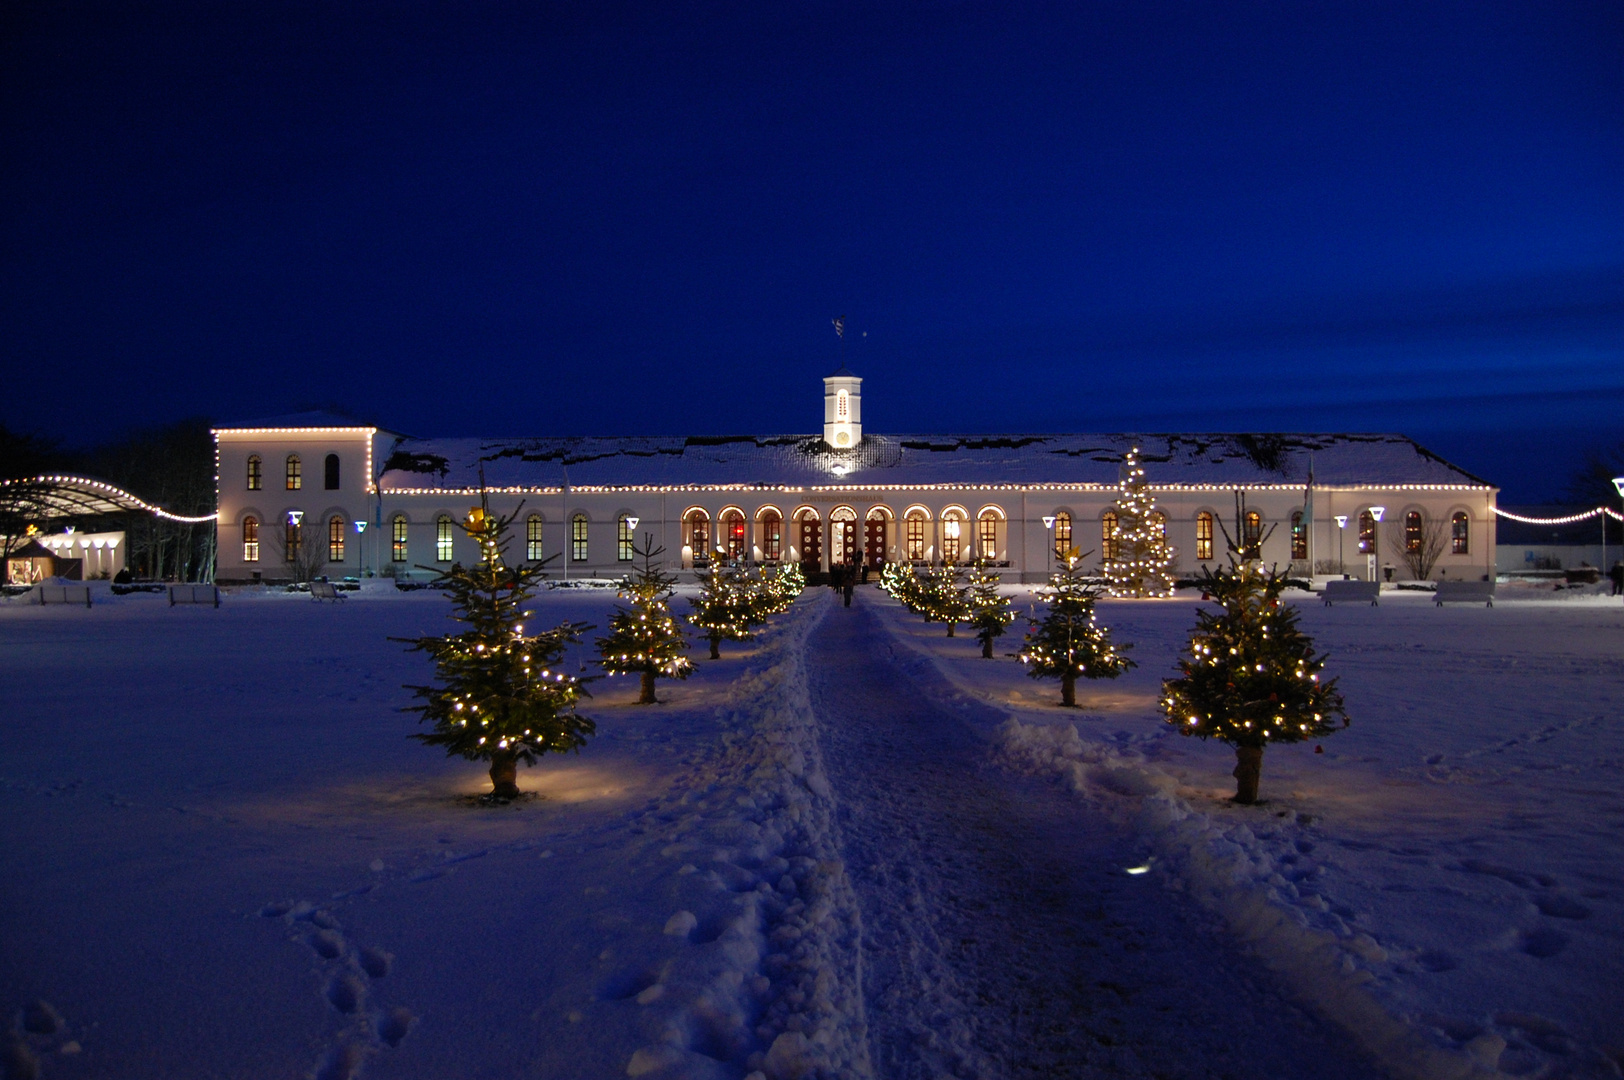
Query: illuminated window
[
  {"x": 1367, "y": 532},
  {"x": 952, "y": 534},
  {"x": 1299, "y": 536},
  {"x": 1062, "y": 534},
  {"x": 1252, "y": 535},
  {"x": 335, "y": 539},
  {"x": 329, "y": 469},
  {"x": 442, "y": 538},
  {"x": 578, "y": 538},
  {"x": 532, "y": 538},
  {"x": 1110, "y": 535},
  {"x": 733, "y": 533},
  {"x": 623, "y": 540},
  {"x": 253, "y": 472},
  {"x": 699, "y": 533},
  {"x": 397, "y": 547},
  {"x": 1459, "y": 530},
  {"x": 842, "y": 406},
  {"x": 914, "y": 538},
  {"x": 1203, "y": 535},
  {"x": 772, "y": 535},
  {"x": 987, "y": 534},
  {"x": 291, "y": 540},
  {"x": 1412, "y": 531},
  {"x": 1158, "y": 526},
  {"x": 295, "y": 476},
  {"x": 250, "y": 539}
]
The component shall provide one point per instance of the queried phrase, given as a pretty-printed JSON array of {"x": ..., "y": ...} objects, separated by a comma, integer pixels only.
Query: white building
[{"x": 847, "y": 495}]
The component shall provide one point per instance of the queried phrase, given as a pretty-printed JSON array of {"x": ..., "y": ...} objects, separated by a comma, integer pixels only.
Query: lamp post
[
  {"x": 1341, "y": 535},
  {"x": 1376, "y": 513},
  {"x": 1048, "y": 548},
  {"x": 1618, "y": 485},
  {"x": 360, "y": 547}
]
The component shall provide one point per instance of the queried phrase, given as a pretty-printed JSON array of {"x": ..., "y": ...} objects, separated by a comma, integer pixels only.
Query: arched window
[
  {"x": 532, "y": 538},
  {"x": 253, "y": 472},
  {"x": 295, "y": 476},
  {"x": 914, "y": 535},
  {"x": 1367, "y": 532},
  {"x": 397, "y": 539},
  {"x": 442, "y": 538},
  {"x": 772, "y": 535},
  {"x": 291, "y": 539},
  {"x": 952, "y": 533},
  {"x": 1460, "y": 527},
  {"x": 733, "y": 534},
  {"x": 1299, "y": 536},
  {"x": 1062, "y": 534},
  {"x": 335, "y": 539},
  {"x": 987, "y": 535},
  {"x": 1412, "y": 530},
  {"x": 697, "y": 534},
  {"x": 1252, "y": 535},
  {"x": 329, "y": 469},
  {"x": 250, "y": 539},
  {"x": 578, "y": 537},
  {"x": 1110, "y": 536},
  {"x": 623, "y": 540},
  {"x": 1203, "y": 535}
]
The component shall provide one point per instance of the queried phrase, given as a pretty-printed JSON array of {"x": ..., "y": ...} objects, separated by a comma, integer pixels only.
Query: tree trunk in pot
[
  {"x": 647, "y": 696},
  {"x": 1248, "y": 771},
  {"x": 504, "y": 776}
]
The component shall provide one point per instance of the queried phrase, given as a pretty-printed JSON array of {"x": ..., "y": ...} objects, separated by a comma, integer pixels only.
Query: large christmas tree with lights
[
  {"x": 990, "y": 615},
  {"x": 499, "y": 695},
  {"x": 1142, "y": 563},
  {"x": 645, "y": 640},
  {"x": 1252, "y": 678},
  {"x": 1068, "y": 642}
]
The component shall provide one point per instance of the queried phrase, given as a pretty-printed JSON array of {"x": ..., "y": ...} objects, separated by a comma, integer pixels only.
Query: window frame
[
  {"x": 578, "y": 537},
  {"x": 623, "y": 539},
  {"x": 1367, "y": 532},
  {"x": 952, "y": 546},
  {"x": 335, "y": 538},
  {"x": 292, "y": 541},
  {"x": 1205, "y": 528},
  {"x": 398, "y": 538},
  {"x": 913, "y": 525},
  {"x": 696, "y": 533},
  {"x": 1062, "y": 533},
  {"x": 256, "y": 474},
  {"x": 534, "y": 536},
  {"x": 294, "y": 473},
  {"x": 445, "y": 541},
  {"x": 1415, "y": 531},
  {"x": 1110, "y": 536},
  {"x": 250, "y": 539},
  {"x": 1299, "y": 535},
  {"x": 1460, "y": 533},
  {"x": 772, "y": 535}
]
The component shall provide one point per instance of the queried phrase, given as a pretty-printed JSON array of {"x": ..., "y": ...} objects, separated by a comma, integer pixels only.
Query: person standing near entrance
[
  {"x": 847, "y": 580},
  {"x": 1617, "y": 576}
]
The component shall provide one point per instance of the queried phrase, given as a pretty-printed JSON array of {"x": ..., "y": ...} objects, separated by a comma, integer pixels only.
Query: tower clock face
[{"x": 842, "y": 438}]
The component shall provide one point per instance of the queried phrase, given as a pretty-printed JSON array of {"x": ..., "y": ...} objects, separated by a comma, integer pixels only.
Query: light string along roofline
[{"x": 1569, "y": 520}]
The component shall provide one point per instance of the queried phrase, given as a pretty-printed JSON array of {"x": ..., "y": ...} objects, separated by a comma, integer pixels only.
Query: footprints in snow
[
  {"x": 1541, "y": 942},
  {"x": 347, "y": 989}
]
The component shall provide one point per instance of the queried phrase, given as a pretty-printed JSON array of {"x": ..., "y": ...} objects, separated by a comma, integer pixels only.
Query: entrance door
[
  {"x": 874, "y": 541},
  {"x": 811, "y": 541},
  {"x": 843, "y": 534}
]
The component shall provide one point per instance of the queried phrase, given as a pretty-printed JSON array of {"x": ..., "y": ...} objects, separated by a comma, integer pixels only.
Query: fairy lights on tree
[
  {"x": 1068, "y": 642},
  {"x": 1252, "y": 678},
  {"x": 729, "y": 605},
  {"x": 645, "y": 640},
  {"x": 941, "y": 597},
  {"x": 499, "y": 695},
  {"x": 1142, "y": 564},
  {"x": 990, "y": 613}
]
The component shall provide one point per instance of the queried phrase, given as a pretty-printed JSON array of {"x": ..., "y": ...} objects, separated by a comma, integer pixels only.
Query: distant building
[
  {"x": 72, "y": 555},
  {"x": 847, "y": 495},
  {"x": 1563, "y": 538}
]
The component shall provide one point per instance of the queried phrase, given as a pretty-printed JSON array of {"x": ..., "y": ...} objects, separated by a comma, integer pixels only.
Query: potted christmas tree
[
  {"x": 1068, "y": 642},
  {"x": 645, "y": 639}
]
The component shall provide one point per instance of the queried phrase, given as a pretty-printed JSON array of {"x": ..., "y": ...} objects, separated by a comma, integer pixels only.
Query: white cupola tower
[{"x": 842, "y": 410}]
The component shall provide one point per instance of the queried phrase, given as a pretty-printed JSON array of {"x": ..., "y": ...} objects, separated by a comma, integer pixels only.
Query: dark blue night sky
[{"x": 600, "y": 218}]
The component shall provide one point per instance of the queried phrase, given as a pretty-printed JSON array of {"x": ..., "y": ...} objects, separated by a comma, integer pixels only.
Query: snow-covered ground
[
  {"x": 1445, "y": 878},
  {"x": 223, "y": 857}
]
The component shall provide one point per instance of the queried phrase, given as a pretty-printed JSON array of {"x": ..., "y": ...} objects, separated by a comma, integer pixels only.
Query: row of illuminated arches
[
  {"x": 293, "y": 472},
  {"x": 951, "y": 539}
]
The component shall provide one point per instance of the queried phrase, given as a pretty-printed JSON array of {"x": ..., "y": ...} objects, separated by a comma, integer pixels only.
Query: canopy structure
[{"x": 53, "y": 498}]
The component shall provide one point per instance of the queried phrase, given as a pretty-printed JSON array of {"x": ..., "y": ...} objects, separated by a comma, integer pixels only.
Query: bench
[
  {"x": 64, "y": 594},
  {"x": 1464, "y": 591},
  {"x": 1351, "y": 590},
  {"x": 194, "y": 594},
  {"x": 324, "y": 590}
]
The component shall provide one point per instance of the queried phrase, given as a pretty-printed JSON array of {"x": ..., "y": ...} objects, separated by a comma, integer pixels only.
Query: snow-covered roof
[
  {"x": 806, "y": 461},
  {"x": 314, "y": 418}
]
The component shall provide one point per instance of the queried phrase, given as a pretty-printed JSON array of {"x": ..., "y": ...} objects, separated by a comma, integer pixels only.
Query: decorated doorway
[
  {"x": 811, "y": 534},
  {"x": 843, "y": 536}
]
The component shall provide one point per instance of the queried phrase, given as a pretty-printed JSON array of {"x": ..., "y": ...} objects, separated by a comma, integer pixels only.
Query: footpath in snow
[
  {"x": 1445, "y": 880},
  {"x": 1002, "y": 934}
]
